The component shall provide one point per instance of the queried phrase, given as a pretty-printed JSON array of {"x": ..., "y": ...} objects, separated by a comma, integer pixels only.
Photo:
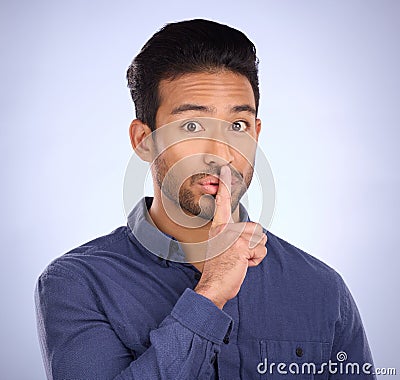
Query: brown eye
[
  {"x": 192, "y": 126},
  {"x": 239, "y": 126}
]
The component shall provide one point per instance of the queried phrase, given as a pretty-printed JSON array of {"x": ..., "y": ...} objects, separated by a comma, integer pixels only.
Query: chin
[{"x": 203, "y": 207}]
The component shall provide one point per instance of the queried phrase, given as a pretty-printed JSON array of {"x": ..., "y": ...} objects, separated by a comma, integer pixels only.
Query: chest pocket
[{"x": 297, "y": 360}]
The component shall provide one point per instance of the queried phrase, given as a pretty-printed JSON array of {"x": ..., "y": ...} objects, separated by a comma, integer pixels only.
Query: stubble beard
[{"x": 169, "y": 184}]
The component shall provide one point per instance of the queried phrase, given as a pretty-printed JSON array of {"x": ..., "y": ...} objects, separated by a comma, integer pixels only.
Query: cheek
[
  {"x": 177, "y": 158},
  {"x": 187, "y": 152},
  {"x": 180, "y": 162},
  {"x": 243, "y": 163}
]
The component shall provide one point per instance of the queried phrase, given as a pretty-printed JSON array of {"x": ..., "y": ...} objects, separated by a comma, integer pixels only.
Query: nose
[{"x": 218, "y": 153}]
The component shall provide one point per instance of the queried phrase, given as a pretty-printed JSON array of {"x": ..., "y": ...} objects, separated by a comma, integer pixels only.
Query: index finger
[{"x": 223, "y": 208}]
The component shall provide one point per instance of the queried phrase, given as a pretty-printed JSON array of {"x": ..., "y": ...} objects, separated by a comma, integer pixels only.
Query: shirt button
[
  {"x": 299, "y": 352},
  {"x": 226, "y": 339},
  {"x": 197, "y": 276}
]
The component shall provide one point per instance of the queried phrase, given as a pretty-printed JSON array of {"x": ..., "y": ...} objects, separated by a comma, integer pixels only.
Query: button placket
[{"x": 229, "y": 357}]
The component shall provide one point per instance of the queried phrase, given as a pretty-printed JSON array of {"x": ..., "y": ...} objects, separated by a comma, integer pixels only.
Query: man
[{"x": 187, "y": 290}]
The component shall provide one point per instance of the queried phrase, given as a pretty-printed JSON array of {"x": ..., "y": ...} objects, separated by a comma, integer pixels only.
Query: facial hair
[{"x": 184, "y": 197}]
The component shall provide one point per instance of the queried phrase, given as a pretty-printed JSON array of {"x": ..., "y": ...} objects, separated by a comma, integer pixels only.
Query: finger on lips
[{"x": 223, "y": 206}]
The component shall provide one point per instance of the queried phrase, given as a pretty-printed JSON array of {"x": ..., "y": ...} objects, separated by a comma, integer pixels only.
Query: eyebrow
[
  {"x": 244, "y": 108},
  {"x": 196, "y": 107},
  {"x": 191, "y": 107}
]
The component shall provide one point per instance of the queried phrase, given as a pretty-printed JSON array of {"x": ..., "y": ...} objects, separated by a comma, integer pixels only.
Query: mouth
[
  {"x": 209, "y": 180},
  {"x": 210, "y": 184}
]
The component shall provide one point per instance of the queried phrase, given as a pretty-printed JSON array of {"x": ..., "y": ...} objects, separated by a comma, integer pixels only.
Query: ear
[
  {"x": 142, "y": 143},
  {"x": 258, "y": 128}
]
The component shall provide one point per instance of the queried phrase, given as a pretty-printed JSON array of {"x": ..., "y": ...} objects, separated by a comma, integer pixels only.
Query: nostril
[{"x": 217, "y": 160}]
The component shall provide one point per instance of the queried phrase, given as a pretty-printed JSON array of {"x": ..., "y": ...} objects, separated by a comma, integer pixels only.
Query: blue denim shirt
[{"x": 112, "y": 309}]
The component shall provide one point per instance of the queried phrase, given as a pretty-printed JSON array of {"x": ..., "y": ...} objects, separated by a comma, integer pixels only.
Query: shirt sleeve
[
  {"x": 78, "y": 342},
  {"x": 350, "y": 350}
]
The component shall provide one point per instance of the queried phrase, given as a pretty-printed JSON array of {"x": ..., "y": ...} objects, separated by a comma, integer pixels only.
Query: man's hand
[{"x": 233, "y": 247}]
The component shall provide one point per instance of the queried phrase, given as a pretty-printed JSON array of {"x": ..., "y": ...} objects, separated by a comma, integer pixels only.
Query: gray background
[{"x": 330, "y": 106}]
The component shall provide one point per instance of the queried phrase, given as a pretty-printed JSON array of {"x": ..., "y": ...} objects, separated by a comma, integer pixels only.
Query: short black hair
[{"x": 184, "y": 47}]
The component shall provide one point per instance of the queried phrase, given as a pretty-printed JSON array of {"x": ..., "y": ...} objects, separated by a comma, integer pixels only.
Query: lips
[
  {"x": 209, "y": 180},
  {"x": 209, "y": 185}
]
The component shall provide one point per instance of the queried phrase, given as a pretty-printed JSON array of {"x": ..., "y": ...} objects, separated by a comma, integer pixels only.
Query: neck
[{"x": 187, "y": 229}]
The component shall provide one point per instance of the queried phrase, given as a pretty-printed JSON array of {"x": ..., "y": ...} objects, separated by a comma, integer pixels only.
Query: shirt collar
[{"x": 161, "y": 247}]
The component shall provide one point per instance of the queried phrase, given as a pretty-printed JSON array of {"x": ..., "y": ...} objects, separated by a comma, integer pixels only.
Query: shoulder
[
  {"x": 297, "y": 265},
  {"x": 85, "y": 258}
]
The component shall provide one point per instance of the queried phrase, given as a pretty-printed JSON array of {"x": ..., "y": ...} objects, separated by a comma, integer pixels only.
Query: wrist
[{"x": 211, "y": 295}]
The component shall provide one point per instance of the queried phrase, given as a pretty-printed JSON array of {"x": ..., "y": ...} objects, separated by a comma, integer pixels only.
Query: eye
[
  {"x": 239, "y": 126},
  {"x": 192, "y": 126}
]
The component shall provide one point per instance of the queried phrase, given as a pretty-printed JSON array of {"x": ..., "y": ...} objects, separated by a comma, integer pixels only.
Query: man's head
[
  {"x": 192, "y": 46},
  {"x": 187, "y": 78}
]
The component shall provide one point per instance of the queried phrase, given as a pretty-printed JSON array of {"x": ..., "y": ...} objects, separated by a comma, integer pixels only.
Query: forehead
[{"x": 219, "y": 91}]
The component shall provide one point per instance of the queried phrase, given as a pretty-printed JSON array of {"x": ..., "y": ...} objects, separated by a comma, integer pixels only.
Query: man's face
[{"x": 204, "y": 121}]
